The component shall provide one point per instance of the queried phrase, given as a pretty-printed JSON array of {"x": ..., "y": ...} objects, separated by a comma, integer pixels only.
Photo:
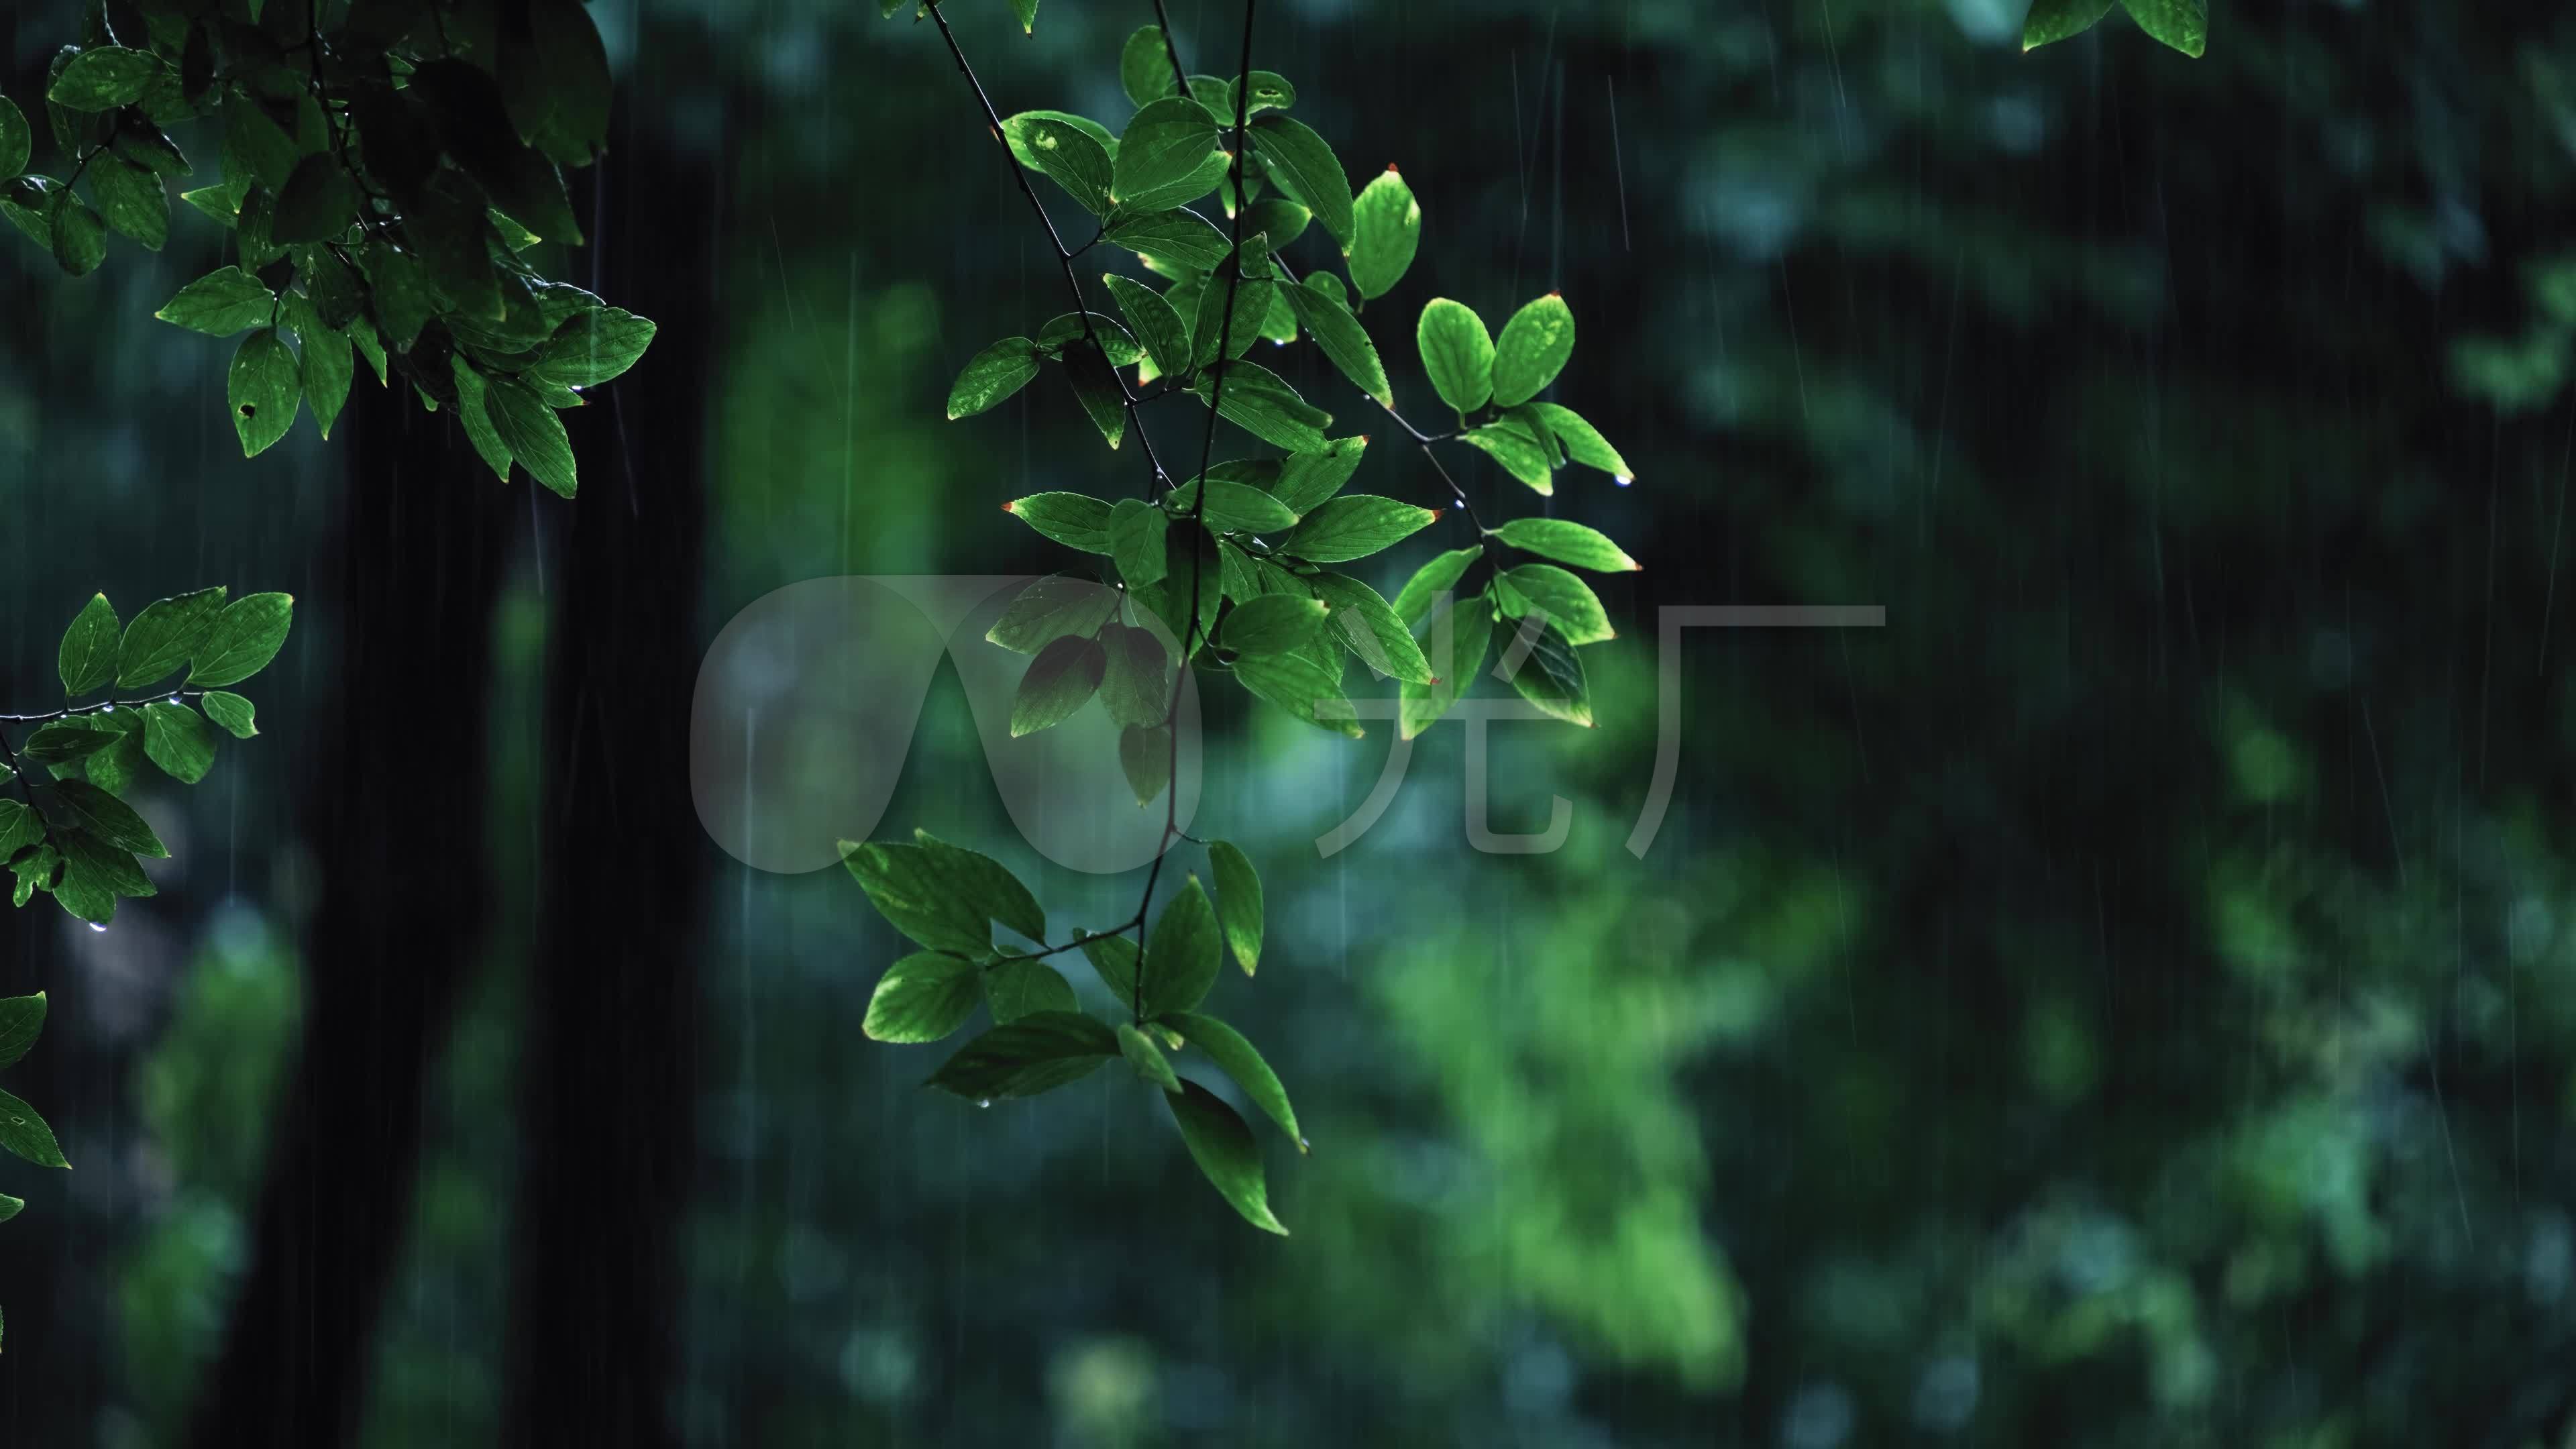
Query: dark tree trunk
[
  {"x": 394, "y": 817},
  {"x": 607, "y": 1090}
]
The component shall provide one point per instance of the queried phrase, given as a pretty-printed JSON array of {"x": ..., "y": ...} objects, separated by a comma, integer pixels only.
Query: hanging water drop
[
  {"x": 95, "y": 926},
  {"x": 984, "y": 1102}
]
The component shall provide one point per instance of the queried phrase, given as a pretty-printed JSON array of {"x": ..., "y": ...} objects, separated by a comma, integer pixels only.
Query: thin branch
[
  {"x": 102, "y": 707},
  {"x": 1171, "y": 48}
]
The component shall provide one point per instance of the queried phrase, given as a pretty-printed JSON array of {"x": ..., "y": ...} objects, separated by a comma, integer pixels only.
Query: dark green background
[{"x": 2125, "y": 1001}]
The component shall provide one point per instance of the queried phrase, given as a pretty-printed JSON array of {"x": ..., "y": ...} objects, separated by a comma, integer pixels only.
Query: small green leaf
[
  {"x": 476, "y": 418},
  {"x": 1072, "y": 160},
  {"x": 1059, "y": 681},
  {"x": 317, "y": 202},
  {"x": 1026, "y": 1057},
  {"x": 1164, "y": 153},
  {"x": 1387, "y": 229},
  {"x": 25, "y": 1133},
  {"x": 983, "y": 883},
  {"x": 1532, "y": 350},
  {"x": 164, "y": 635},
  {"x": 103, "y": 78},
  {"x": 1455, "y": 646},
  {"x": 2053, "y": 20},
  {"x": 1307, "y": 479},
  {"x": 1272, "y": 624},
  {"x": 263, "y": 388},
  {"x": 594, "y": 346},
  {"x": 20, "y": 828},
  {"x": 532, "y": 433},
  {"x": 1343, "y": 340},
  {"x": 1181, "y": 959},
  {"x": 1239, "y": 1060},
  {"x": 1278, "y": 220},
  {"x": 1144, "y": 68},
  {"x": 1521, "y": 455},
  {"x": 65, "y": 741},
  {"x": 1413, "y": 602},
  {"x": 1232, "y": 507},
  {"x": 22, "y": 1019},
  {"x": 175, "y": 737},
  {"x": 91, "y": 810},
  {"x": 1027, "y": 10},
  {"x": 1307, "y": 170},
  {"x": 87, "y": 660},
  {"x": 1238, "y": 904},
  {"x": 1054, "y": 607},
  {"x": 1136, "y": 686},
  {"x": 1209, "y": 327},
  {"x": 1457, "y": 352},
  {"x": 1096, "y": 387},
  {"x": 78, "y": 237},
  {"x": 1371, "y": 627},
  {"x": 1178, "y": 238},
  {"x": 1015, "y": 989},
  {"x": 1114, "y": 958},
  {"x": 1165, "y": 336},
  {"x": 1223, "y": 1148},
  {"x": 326, "y": 367},
  {"x": 1550, "y": 675},
  {"x": 1355, "y": 526},
  {"x": 232, "y": 712},
  {"x": 1270, "y": 92},
  {"x": 1261, "y": 403},
  {"x": 2182, "y": 24},
  {"x": 15, "y": 139},
  {"x": 1582, "y": 442},
  {"x": 1562, "y": 599},
  {"x": 922, "y": 997},
  {"x": 1567, "y": 542},
  {"x": 135, "y": 202},
  {"x": 993, "y": 375},
  {"x": 1304, "y": 687},
  {"x": 1146, "y": 1058},
  {"x": 1015, "y": 132},
  {"x": 242, "y": 639},
  {"x": 1145, "y": 757},
  {"x": 1136, "y": 542},
  {"x": 914, "y": 897}
]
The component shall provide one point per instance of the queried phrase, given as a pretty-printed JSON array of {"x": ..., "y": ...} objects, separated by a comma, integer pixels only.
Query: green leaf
[
  {"x": 164, "y": 635},
  {"x": 1532, "y": 350},
  {"x": 593, "y": 346},
  {"x": 216, "y": 203},
  {"x": 1165, "y": 336},
  {"x": 1027, "y": 10},
  {"x": 89, "y": 809},
  {"x": 1181, "y": 959},
  {"x": 1136, "y": 542},
  {"x": 1146, "y": 1058},
  {"x": 1054, "y": 607},
  {"x": 1371, "y": 627},
  {"x": 1145, "y": 757},
  {"x": 20, "y": 828},
  {"x": 87, "y": 660},
  {"x": 1387, "y": 229},
  {"x": 1238, "y": 904},
  {"x": 1178, "y": 238},
  {"x": 1232, "y": 507},
  {"x": 1096, "y": 387},
  {"x": 175, "y": 737},
  {"x": 1582, "y": 442},
  {"x": 993, "y": 375},
  {"x": 263, "y": 388},
  {"x": 116, "y": 768},
  {"x": 1304, "y": 687},
  {"x": 1457, "y": 352},
  {"x": 1026, "y": 1057},
  {"x": 327, "y": 368},
  {"x": 1071, "y": 159},
  {"x": 914, "y": 897},
  {"x": 1455, "y": 647},
  {"x": 25, "y": 1133},
  {"x": 78, "y": 237},
  {"x": 1164, "y": 153},
  {"x": 16, "y": 141},
  {"x": 1015, "y": 989},
  {"x": 1210, "y": 327},
  {"x": 532, "y": 433},
  {"x": 22, "y": 1019},
  {"x": 103, "y": 78},
  {"x": 136, "y": 204},
  {"x": 1075, "y": 520},
  {"x": 1550, "y": 676},
  {"x": 2182, "y": 24},
  {"x": 1567, "y": 542},
  {"x": 316, "y": 203},
  {"x": 1561, "y": 598},
  {"x": 232, "y": 712},
  {"x": 983, "y": 883},
  {"x": 221, "y": 303},
  {"x": 1114, "y": 958},
  {"x": 1307, "y": 170},
  {"x": 1307, "y": 479},
  {"x": 1136, "y": 687},
  {"x": 1258, "y": 401},
  {"x": 922, "y": 997},
  {"x": 243, "y": 638},
  {"x": 1355, "y": 526},
  {"x": 1272, "y": 624},
  {"x": 1343, "y": 340},
  {"x": 2053, "y": 20},
  {"x": 1521, "y": 455},
  {"x": 1144, "y": 68},
  {"x": 554, "y": 80},
  {"x": 1240, "y": 1060},
  {"x": 1278, "y": 220},
  {"x": 475, "y": 417},
  {"x": 1060, "y": 680},
  {"x": 1015, "y": 132},
  {"x": 65, "y": 741},
  {"x": 1223, "y": 1148}
]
